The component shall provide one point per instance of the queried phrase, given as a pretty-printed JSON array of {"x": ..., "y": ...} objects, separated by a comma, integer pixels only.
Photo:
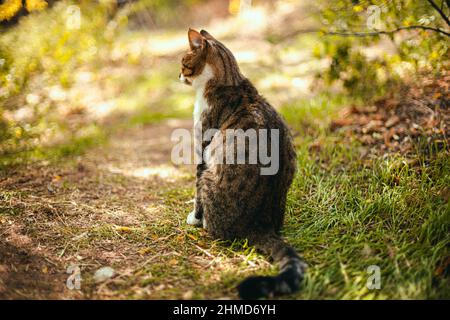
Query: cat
[{"x": 236, "y": 201}]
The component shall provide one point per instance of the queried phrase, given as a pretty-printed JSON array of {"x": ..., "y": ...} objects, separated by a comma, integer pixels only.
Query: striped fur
[{"x": 234, "y": 201}]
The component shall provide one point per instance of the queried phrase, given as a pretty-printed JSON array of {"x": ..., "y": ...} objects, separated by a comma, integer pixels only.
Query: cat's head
[{"x": 208, "y": 59}]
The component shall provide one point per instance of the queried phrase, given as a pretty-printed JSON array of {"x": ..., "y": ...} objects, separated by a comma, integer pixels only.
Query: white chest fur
[
  {"x": 199, "y": 84},
  {"x": 200, "y": 104}
]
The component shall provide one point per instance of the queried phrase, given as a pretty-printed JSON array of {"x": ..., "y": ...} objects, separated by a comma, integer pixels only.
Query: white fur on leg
[{"x": 192, "y": 220}]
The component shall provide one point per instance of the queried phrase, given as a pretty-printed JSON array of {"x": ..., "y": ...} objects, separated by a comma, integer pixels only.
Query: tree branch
[
  {"x": 436, "y": 7},
  {"x": 376, "y": 33}
]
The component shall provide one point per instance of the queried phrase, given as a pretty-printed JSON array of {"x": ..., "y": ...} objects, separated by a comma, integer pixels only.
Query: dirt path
[{"x": 93, "y": 211}]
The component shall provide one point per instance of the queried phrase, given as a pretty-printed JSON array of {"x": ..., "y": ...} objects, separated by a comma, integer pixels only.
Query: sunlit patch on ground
[{"x": 169, "y": 173}]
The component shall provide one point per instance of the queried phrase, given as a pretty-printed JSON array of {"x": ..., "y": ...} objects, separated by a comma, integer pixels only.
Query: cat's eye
[
  {"x": 186, "y": 67},
  {"x": 187, "y": 70}
]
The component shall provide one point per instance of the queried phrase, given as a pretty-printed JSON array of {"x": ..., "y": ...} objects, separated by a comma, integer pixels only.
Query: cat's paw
[{"x": 192, "y": 220}]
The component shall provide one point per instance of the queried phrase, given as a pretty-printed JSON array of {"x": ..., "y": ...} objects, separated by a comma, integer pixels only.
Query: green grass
[
  {"x": 345, "y": 214},
  {"x": 310, "y": 117}
]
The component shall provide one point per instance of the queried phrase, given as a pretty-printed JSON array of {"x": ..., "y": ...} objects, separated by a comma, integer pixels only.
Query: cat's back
[{"x": 245, "y": 109}]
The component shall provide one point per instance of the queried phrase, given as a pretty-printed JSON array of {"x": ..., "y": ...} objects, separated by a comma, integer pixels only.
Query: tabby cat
[{"x": 235, "y": 201}]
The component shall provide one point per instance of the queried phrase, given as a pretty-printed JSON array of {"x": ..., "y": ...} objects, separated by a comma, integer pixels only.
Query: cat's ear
[
  {"x": 206, "y": 35},
  {"x": 196, "y": 40}
]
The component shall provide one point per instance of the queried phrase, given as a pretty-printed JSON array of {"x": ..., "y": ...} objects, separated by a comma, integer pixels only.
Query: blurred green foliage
[
  {"x": 34, "y": 56},
  {"x": 44, "y": 53},
  {"x": 160, "y": 12},
  {"x": 401, "y": 54}
]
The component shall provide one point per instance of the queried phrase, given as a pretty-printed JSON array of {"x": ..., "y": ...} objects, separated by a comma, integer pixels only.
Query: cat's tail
[{"x": 292, "y": 269}]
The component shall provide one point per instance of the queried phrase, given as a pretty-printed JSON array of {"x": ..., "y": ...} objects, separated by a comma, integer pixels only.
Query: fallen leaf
[
  {"x": 202, "y": 244},
  {"x": 144, "y": 251},
  {"x": 192, "y": 236},
  {"x": 315, "y": 146},
  {"x": 388, "y": 136},
  {"x": 123, "y": 229},
  {"x": 373, "y": 125},
  {"x": 339, "y": 123},
  {"x": 445, "y": 194},
  {"x": 392, "y": 121},
  {"x": 173, "y": 262},
  {"x": 443, "y": 268}
]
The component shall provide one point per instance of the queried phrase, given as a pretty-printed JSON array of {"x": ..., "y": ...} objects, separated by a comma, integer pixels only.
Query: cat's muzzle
[{"x": 184, "y": 79}]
